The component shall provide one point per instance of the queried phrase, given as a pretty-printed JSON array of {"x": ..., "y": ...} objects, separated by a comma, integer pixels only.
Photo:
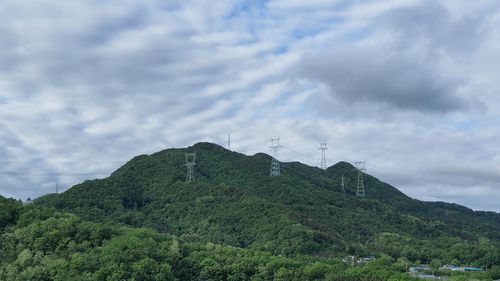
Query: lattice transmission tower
[
  {"x": 190, "y": 163},
  {"x": 323, "y": 155},
  {"x": 342, "y": 185},
  {"x": 275, "y": 164},
  {"x": 360, "y": 187}
]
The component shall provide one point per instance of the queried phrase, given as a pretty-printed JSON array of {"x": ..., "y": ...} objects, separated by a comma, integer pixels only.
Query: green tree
[{"x": 435, "y": 265}]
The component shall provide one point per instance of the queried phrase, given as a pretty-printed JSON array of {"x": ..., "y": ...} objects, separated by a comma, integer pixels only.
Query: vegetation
[
  {"x": 237, "y": 223},
  {"x": 40, "y": 243}
]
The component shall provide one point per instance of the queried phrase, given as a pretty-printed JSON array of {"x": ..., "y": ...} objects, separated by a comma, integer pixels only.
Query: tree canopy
[{"x": 144, "y": 222}]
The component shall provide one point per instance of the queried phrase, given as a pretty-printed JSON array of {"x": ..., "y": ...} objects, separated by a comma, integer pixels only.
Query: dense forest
[
  {"x": 41, "y": 243},
  {"x": 144, "y": 222}
]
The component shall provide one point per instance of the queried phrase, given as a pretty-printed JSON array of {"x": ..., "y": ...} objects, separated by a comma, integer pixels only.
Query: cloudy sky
[{"x": 412, "y": 87}]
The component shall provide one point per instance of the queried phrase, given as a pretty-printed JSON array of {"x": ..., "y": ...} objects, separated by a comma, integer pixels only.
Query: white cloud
[{"x": 96, "y": 83}]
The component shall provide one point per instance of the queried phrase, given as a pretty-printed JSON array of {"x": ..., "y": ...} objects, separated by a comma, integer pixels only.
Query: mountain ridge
[{"x": 234, "y": 201}]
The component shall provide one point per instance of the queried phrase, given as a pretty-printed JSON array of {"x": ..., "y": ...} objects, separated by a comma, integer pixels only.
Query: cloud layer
[
  {"x": 410, "y": 86},
  {"x": 387, "y": 77}
]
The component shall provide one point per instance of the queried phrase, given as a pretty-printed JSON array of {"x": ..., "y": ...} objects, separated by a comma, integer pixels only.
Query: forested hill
[{"x": 235, "y": 202}]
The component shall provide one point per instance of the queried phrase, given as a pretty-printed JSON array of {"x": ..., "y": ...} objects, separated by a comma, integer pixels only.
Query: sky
[{"x": 409, "y": 86}]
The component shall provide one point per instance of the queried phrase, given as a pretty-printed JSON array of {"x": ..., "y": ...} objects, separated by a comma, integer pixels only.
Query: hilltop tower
[
  {"x": 323, "y": 155},
  {"x": 190, "y": 163},
  {"x": 342, "y": 185},
  {"x": 275, "y": 164},
  {"x": 360, "y": 188}
]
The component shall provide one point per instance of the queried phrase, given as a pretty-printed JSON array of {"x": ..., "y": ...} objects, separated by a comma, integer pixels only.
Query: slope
[
  {"x": 40, "y": 243},
  {"x": 233, "y": 201}
]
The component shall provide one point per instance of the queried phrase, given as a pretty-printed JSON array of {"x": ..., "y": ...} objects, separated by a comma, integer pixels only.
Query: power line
[
  {"x": 297, "y": 155},
  {"x": 51, "y": 174},
  {"x": 275, "y": 165},
  {"x": 61, "y": 162}
]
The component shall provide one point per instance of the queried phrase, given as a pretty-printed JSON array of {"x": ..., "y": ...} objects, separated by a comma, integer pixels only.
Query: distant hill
[{"x": 234, "y": 201}]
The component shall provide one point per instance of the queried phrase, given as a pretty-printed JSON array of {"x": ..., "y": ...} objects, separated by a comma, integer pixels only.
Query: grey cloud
[
  {"x": 431, "y": 23},
  {"x": 406, "y": 60},
  {"x": 476, "y": 197},
  {"x": 384, "y": 76},
  {"x": 9, "y": 53}
]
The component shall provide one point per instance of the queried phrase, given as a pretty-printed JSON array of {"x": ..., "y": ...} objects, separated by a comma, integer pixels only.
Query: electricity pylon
[
  {"x": 360, "y": 188},
  {"x": 190, "y": 163},
  {"x": 323, "y": 155},
  {"x": 342, "y": 186},
  {"x": 275, "y": 164}
]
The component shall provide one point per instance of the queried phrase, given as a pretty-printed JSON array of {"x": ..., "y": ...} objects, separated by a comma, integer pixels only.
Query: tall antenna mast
[
  {"x": 342, "y": 186},
  {"x": 323, "y": 155},
  {"x": 190, "y": 163},
  {"x": 360, "y": 188},
  {"x": 229, "y": 141},
  {"x": 57, "y": 187},
  {"x": 275, "y": 164}
]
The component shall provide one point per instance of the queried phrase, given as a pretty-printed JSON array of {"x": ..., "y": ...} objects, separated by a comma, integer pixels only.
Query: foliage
[
  {"x": 45, "y": 244},
  {"x": 236, "y": 223},
  {"x": 235, "y": 202}
]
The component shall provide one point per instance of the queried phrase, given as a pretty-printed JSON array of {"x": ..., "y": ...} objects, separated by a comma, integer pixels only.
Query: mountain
[
  {"x": 235, "y": 202},
  {"x": 41, "y": 243}
]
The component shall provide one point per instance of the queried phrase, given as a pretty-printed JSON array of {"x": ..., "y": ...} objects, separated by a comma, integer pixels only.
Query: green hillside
[
  {"x": 234, "y": 202},
  {"x": 42, "y": 243}
]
